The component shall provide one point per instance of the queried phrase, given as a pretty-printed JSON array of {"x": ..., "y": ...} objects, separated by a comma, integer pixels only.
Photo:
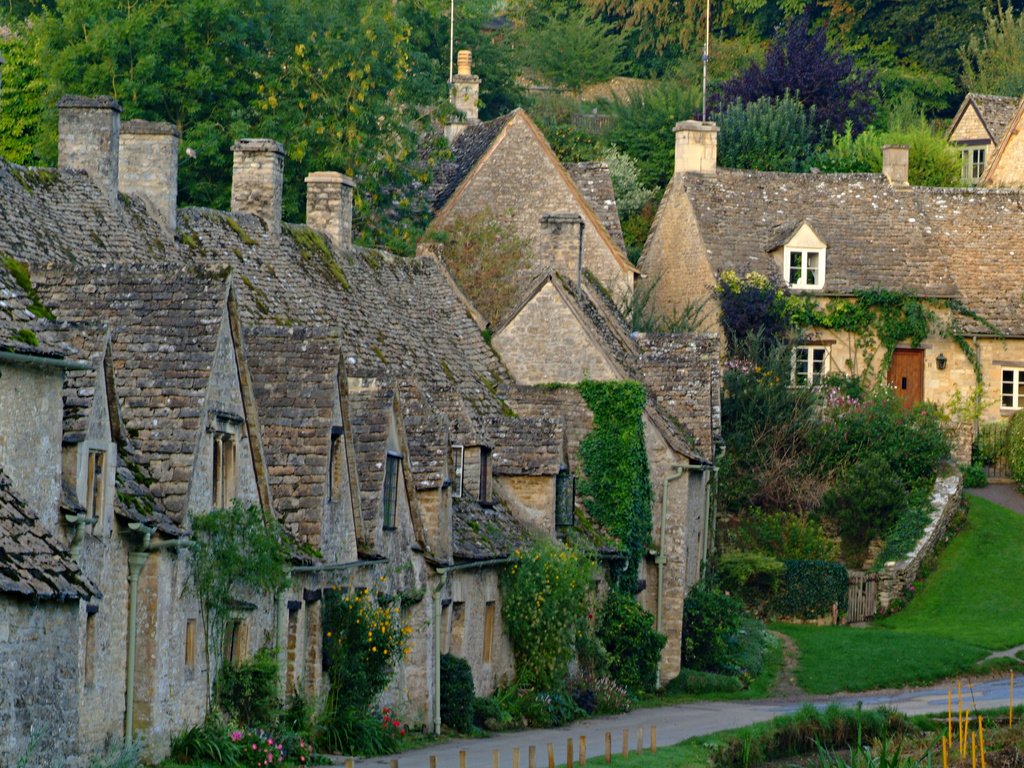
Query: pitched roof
[
  {"x": 995, "y": 113},
  {"x": 527, "y": 446},
  {"x": 595, "y": 182},
  {"x": 485, "y": 532},
  {"x": 19, "y": 325},
  {"x": 33, "y": 564},
  {"x": 468, "y": 148},
  {"x": 874, "y": 233}
]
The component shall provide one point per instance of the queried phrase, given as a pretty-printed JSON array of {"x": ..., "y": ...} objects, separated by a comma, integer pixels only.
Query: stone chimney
[
  {"x": 329, "y": 206},
  {"x": 896, "y": 164},
  {"x": 257, "y": 179},
  {"x": 148, "y": 167},
  {"x": 562, "y": 246},
  {"x": 696, "y": 147},
  {"x": 89, "y": 130},
  {"x": 465, "y": 93}
]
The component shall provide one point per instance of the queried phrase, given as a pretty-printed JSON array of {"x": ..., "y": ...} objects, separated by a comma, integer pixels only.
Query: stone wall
[
  {"x": 545, "y": 342},
  {"x": 970, "y": 127},
  {"x": 39, "y": 670},
  {"x": 530, "y": 499},
  {"x": 470, "y": 592},
  {"x": 895, "y": 577}
]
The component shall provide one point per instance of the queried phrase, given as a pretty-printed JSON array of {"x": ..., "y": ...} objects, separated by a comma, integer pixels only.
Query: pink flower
[{"x": 236, "y": 735}]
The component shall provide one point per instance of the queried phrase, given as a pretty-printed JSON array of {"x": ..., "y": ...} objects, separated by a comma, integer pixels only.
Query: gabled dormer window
[{"x": 804, "y": 268}]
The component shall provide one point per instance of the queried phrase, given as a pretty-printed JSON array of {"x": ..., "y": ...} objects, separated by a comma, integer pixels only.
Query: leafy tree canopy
[
  {"x": 570, "y": 52},
  {"x": 993, "y": 61}
]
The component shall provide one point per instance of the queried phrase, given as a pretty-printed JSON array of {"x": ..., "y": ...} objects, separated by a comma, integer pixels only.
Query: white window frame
[
  {"x": 973, "y": 167},
  {"x": 1012, "y": 400},
  {"x": 806, "y": 377},
  {"x": 802, "y": 282}
]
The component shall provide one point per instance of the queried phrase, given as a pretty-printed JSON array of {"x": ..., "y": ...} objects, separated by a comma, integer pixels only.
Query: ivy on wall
[{"x": 616, "y": 487}]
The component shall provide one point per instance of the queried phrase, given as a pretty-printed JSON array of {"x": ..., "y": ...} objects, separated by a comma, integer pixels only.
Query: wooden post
[
  {"x": 349, "y": 763},
  {"x": 495, "y": 758},
  {"x": 625, "y": 742},
  {"x": 394, "y": 763},
  {"x": 433, "y": 761},
  {"x": 583, "y": 750},
  {"x": 568, "y": 753},
  {"x": 462, "y": 758},
  {"x": 515, "y": 757},
  {"x": 640, "y": 740},
  {"x": 654, "y": 739},
  {"x": 533, "y": 756},
  {"x": 607, "y": 746},
  {"x": 551, "y": 755}
]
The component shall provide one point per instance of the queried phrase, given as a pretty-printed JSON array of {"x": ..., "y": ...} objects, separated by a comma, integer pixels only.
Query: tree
[
  {"x": 801, "y": 62},
  {"x": 993, "y": 62},
  {"x": 571, "y": 52},
  {"x": 767, "y": 135}
]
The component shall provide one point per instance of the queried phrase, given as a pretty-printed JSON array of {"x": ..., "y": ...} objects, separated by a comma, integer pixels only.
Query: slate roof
[
  {"x": 33, "y": 564},
  {"x": 527, "y": 446},
  {"x": 996, "y": 112},
  {"x": 468, "y": 148},
  {"x": 295, "y": 378},
  {"x": 18, "y": 325},
  {"x": 164, "y": 325},
  {"x": 133, "y": 501},
  {"x": 89, "y": 339},
  {"x": 594, "y": 180},
  {"x": 485, "y": 532},
  {"x": 370, "y": 414},
  {"x": 874, "y": 233}
]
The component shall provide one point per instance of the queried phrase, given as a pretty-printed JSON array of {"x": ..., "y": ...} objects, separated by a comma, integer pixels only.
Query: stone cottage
[
  {"x": 829, "y": 236},
  {"x": 196, "y": 357},
  {"x": 978, "y": 129}
]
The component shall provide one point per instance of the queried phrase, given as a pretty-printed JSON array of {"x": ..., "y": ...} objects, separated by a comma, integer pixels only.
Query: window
[
  {"x": 335, "y": 474},
  {"x": 565, "y": 499},
  {"x": 90, "y": 644},
  {"x": 488, "y": 650},
  {"x": 190, "y": 643},
  {"x": 485, "y": 475},
  {"x": 392, "y": 469},
  {"x": 973, "y": 159},
  {"x": 458, "y": 463},
  {"x": 810, "y": 364},
  {"x": 236, "y": 642},
  {"x": 804, "y": 268},
  {"x": 1013, "y": 388},
  {"x": 224, "y": 469},
  {"x": 94, "y": 483}
]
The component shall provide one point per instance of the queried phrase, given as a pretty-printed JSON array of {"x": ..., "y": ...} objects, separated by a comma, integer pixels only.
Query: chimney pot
[
  {"x": 257, "y": 179},
  {"x": 89, "y": 137},
  {"x": 466, "y": 89},
  {"x": 696, "y": 147},
  {"x": 896, "y": 164},
  {"x": 465, "y": 62},
  {"x": 148, "y": 167},
  {"x": 329, "y": 206}
]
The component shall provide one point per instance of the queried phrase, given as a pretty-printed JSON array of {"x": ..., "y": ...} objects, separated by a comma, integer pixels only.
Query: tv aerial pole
[
  {"x": 704, "y": 59},
  {"x": 451, "y": 44}
]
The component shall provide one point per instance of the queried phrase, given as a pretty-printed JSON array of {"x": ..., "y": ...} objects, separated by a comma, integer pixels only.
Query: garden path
[
  {"x": 678, "y": 722},
  {"x": 1003, "y": 494}
]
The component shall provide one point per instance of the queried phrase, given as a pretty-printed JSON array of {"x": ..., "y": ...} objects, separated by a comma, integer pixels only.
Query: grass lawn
[{"x": 973, "y": 602}]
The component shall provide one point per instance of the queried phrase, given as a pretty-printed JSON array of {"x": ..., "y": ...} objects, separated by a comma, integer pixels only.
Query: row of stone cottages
[
  {"x": 832, "y": 236},
  {"x": 156, "y": 363}
]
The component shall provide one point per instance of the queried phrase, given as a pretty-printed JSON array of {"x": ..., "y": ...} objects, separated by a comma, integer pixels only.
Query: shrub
[
  {"x": 363, "y": 642},
  {"x": 974, "y": 475},
  {"x": 785, "y": 535},
  {"x": 355, "y": 730},
  {"x": 696, "y": 681},
  {"x": 810, "y": 587},
  {"x": 248, "y": 691},
  {"x": 752, "y": 576},
  {"x": 627, "y": 631},
  {"x": 488, "y": 713},
  {"x": 769, "y": 134},
  {"x": 752, "y": 306},
  {"x": 544, "y": 592},
  {"x": 599, "y": 695},
  {"x": 209, "y": 741},
  {"x": 545, "y": 709},
  {"x": 867, "y": 499},
  {"x": 933, "y": 162},
  {"x": 1015, "y": 448},
  {"x": 457, "y": 693},
  {"x": 710, "y": 618}
]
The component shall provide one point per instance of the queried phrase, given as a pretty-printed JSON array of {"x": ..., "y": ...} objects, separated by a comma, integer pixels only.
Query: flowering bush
[
  {"x": 544, "y": 593},
  {"x": 599, "y": 695},
  {"x": 363, "y": 641}
]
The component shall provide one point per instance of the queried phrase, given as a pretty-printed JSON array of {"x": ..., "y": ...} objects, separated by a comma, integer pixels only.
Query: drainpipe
[
  {"x": 579, "y": 263},
  {"x": 79, "y": 521},
  {"x": 136, "y": 562},
  {"x": 443, "y": 573}
]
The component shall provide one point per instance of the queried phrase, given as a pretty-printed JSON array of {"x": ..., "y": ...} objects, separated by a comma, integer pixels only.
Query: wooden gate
[{"x": 862, "y": 597}]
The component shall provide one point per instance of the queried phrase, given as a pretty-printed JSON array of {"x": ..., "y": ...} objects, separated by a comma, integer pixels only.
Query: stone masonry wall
[
  {"x": 546, "y": 343},
  {"x": 257, "y": 180}
]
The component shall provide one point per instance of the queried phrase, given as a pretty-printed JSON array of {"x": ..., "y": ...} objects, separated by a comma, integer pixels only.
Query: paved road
[{"x": 679, "y": 722}]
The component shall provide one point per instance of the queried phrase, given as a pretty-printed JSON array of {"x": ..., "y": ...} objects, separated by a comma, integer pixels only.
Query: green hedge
[
  {"x": 1015, "y": 447},
  {"x": 810, "y": 587}
]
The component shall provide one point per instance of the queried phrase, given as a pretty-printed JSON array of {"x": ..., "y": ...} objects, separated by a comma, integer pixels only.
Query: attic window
[
  {"x": 94, "y": 484},
  {"x": 458, "y": 464},
  {"x": 337, "y": 464},
  {"x": 392, "y": 469},
  {"x": 565, "y": 499},
  {"x": 804, "y": 268},
  {"x": 485, "y": 475},
  {"x": 973, "y": 159}
]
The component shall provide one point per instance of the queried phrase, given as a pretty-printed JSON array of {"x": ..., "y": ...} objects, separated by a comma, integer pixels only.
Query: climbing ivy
[{"x": 616, "y": 487}]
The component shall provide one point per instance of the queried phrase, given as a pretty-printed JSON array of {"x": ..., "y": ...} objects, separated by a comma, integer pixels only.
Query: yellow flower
[{"x": 374, "y": 649}]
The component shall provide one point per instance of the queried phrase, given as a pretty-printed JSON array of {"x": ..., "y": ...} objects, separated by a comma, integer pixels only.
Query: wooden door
[{"x": 906, "y": 374}]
